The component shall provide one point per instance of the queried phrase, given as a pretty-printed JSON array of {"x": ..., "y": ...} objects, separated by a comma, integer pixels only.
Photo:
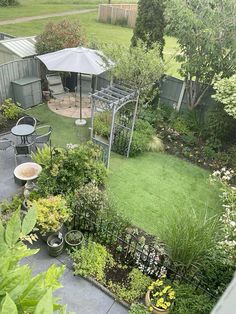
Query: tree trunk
[{"x": 195, "y": 92}]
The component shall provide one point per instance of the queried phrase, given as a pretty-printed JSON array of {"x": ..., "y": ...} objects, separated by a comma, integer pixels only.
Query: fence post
[{"x": 181, "y": 96}]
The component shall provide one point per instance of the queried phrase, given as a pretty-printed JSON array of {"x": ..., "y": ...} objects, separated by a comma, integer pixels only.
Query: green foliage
[
  {"x": 156, "y": 145},
  {"x": 72, "y": 168},
  {"x": 3, "y": 120},
  {"x": 219, "y": 127},
  {"x": 150, "y": 24},
  {"x": 135, "y": 66},
  {"x": 91, "y": 260},
  {"x": 180, "y": 125},
  {"x": 190, "y": 300},
  {"x": 7, "y": 208},
  {"x": 226, "y": 94},
  {"x": 142, "y": 136},
  {"x": 89, "y": 197},
  {"x": 188, "y": 236},
  {"x": 102, "y": 123},
  {"x": 138, "y": 308},
  {"x": 42, "y": 156},
  {"x": 7, "y": 3},
  {"x": 57, "y": 36},
  {"x": 52, "y": 212},
  {"x": 10, "y": 110},
  {"x": 198, "y": 25},
  {"x": 134, "y": 288},
  {"x": 20, "y": 293}
]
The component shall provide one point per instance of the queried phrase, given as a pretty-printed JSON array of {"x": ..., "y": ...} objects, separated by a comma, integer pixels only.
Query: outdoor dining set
[{"x": 27, "y": 137}]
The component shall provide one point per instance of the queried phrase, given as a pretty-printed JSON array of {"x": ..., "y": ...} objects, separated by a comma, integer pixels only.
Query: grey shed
[{"x": 17, "y": 48}]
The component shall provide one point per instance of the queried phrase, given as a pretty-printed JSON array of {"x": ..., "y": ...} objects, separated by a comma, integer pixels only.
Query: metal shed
[{"x": 17, "y": 48}]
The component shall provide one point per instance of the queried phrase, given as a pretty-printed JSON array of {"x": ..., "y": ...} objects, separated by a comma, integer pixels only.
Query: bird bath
[{"x": 28, "y": 171}]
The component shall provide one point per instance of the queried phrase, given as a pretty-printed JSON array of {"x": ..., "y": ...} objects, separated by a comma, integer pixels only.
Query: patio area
[{"x": 80, "y": 295}]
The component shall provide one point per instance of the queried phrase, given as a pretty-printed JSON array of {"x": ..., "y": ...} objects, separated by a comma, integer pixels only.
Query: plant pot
[
  {"x": 55, "y": 244},
  {"x": 155, "y": 310},
  {"x": 74, "y": 244}
]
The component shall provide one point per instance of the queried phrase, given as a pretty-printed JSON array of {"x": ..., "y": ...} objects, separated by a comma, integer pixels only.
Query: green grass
[
  {"x": 152, "y": 185},
  {"x": 64, "y": 129},
  {"x": 40, "y": 7},
  {"x": 96, "y": 31}
]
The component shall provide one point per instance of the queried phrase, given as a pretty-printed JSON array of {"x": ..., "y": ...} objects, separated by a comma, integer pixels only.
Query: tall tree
[
  {"x": 150, "y": 24},
  {"x": 206, "y": 33}
]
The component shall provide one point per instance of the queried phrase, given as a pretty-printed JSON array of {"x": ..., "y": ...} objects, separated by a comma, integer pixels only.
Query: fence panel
[
  {"x": 118, "y": 14},
  {"x": 16, "y": 70}
]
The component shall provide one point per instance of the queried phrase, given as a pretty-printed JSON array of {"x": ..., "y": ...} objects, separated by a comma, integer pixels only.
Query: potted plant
[
  {"x": 74, "y": 238},
  {"x": 159, "y": 297},
  {"x": 55, "y": 243},
  {"x": 52, "y": 212}
]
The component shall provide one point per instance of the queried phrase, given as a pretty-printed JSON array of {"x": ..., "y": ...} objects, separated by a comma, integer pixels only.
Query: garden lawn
[
  {"x": 64, "y": 129},
  {"x": 152, "y": 185}
]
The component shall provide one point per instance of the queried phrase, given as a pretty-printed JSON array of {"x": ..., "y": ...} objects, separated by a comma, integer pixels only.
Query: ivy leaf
[
  {"x": 45, "y": 305},
  {"x": 13, "y": 229},
  {"x": 8, "y": 306},
  {"x": 29, "y": 221}
]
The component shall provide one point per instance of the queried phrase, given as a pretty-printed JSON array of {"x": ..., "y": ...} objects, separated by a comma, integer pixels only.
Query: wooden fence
[
  {"x": 173, "y": 93},
  {"x": 123, "y": 14},
  {"x": 15, "y": 70}
]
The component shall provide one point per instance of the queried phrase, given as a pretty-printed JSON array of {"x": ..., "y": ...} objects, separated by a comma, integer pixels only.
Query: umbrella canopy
[{"x": 79, "y": 59}]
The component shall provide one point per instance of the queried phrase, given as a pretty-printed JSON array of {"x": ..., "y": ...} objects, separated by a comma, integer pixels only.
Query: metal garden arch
[{"x": 113, "y": 99}]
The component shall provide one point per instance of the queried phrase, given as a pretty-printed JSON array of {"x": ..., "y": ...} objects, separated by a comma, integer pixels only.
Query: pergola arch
[{"x": 113, "y": 99}]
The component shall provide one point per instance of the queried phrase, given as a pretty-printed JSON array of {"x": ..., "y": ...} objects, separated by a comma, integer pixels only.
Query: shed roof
[{"x": 22, "y": 47}]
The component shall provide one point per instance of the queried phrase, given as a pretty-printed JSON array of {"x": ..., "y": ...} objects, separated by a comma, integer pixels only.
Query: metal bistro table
[{"x": 23, "y": 130}]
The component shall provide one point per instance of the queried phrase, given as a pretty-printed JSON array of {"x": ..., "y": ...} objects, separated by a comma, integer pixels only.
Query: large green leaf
[
  {"x": 45, "y": 305},
  {"x": 8, "y": 306},
  {"x": 3, "y": 245},
  {"x": 52, "y": 275},
  {"x": 13, "y": 229},
  {"x": 29, "y": 221}
]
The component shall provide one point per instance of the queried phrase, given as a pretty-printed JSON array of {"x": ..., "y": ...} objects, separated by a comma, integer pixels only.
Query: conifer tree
[{"x": 150, "y": 24}]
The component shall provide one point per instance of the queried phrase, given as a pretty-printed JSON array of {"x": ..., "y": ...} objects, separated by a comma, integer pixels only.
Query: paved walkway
[
  {"x": 80, "y": 295},
  {"x": 45, "y": 16}
]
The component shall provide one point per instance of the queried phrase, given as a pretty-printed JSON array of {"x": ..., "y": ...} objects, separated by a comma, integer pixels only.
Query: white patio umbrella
[{"x": 80, "y": 60}]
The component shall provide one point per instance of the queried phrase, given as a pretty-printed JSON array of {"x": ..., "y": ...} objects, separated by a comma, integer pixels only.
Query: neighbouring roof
[{"x": 22, "y": 47}]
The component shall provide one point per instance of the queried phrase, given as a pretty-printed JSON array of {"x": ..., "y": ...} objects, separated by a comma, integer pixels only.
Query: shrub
[
  {"x": 42, "y": 156},
  {"x": 189, "y": 300},
  {"x": 102, "y": 123},
  {"x": 219, "y": 127},
  {"x": 10, "y": 110},
  {"x": 3, "y": 120},
  {"x": 57, "y": 36},
  {"x": 8, "y": 208},
  {"x": 6, "y": 3},
  {"x": 180, "y": 125},
  {"x": 52, "y": 212},
  {"x": 188, "y": 236},
  {"x": 134, "y": 288},
  {"x": 72, "y": 168},
  {"x": 91, "y": 260}
]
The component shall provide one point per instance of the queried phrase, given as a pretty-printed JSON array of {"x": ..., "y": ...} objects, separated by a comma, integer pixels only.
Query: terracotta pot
[{"x": 155, "y": 310}]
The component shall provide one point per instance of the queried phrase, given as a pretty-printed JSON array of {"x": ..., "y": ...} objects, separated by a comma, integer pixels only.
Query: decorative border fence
[
  {"x": 16, "y": 70},
  {"x": 124, "y": 14},
  {"x": 128, "y": 248}
]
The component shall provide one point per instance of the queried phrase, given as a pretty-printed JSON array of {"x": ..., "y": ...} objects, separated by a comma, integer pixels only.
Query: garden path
[
  {"x": 81, "y": 296},
  {"x": 45, "y": 16}
]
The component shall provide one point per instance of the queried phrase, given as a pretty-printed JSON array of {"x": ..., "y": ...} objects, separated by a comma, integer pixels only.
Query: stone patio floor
[{"x": 80, "y": 295}]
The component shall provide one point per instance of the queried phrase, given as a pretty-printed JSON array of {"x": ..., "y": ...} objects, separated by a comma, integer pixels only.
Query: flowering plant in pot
[
  {"x": 159, "y": 296},
  {"x": 52, "y": 212}
]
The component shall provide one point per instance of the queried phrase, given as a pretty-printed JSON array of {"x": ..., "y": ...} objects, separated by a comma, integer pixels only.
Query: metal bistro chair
[
  {"x": 27, "y": 120},
  {"x": 23, "y": 150},
  {"x": 42, "y": 136}
]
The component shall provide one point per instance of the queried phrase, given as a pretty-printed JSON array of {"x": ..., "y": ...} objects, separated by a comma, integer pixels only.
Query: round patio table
[{"x": 23, "y": 130}]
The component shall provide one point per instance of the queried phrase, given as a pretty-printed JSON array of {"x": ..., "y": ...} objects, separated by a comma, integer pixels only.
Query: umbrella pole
[{"x": 80, "y": 96}]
